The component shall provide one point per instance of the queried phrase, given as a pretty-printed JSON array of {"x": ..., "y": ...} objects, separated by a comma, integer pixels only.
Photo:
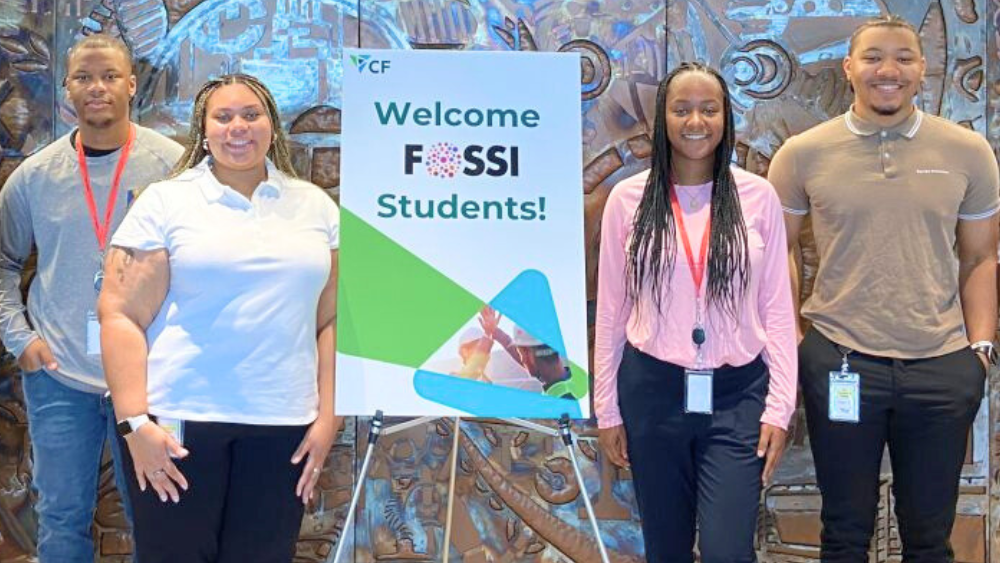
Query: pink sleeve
[
  {"x": 613, "y": 309},
  {"x": 778, "y": 316}
]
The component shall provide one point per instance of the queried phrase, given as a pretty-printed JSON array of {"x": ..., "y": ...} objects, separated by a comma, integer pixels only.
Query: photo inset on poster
[
  {"x": 491, "y": 351},
  {"x": 485, "y": 351}
]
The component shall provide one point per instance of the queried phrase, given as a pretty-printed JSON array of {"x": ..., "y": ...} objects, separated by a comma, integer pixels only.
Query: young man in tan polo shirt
[{"x": 903, "y": 207}]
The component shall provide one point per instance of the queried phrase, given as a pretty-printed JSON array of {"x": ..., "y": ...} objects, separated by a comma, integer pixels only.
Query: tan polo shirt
[{"x": 885, "y": 205}]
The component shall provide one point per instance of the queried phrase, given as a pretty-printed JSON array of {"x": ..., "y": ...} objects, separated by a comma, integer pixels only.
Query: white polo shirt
[{"x": 235, "y": 339}]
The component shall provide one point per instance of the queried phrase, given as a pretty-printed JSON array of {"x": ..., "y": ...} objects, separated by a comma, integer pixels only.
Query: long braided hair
[
  {"x": 654, "y": 228},
  {"x": 194, "y": 153}
]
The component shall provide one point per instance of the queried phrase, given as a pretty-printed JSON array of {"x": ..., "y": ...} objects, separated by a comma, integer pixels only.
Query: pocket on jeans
[{"x": 39, "y": 371}]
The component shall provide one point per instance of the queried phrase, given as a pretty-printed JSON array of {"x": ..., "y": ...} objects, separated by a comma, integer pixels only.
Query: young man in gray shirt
[{"x": 66, "y": 200}]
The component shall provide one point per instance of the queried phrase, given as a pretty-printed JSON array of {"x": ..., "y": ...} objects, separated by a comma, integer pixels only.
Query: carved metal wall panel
[
  {"x": 26, "y": 101},
  {"x": 26, "y": 80},
  {"x": 516, "y": 498}
]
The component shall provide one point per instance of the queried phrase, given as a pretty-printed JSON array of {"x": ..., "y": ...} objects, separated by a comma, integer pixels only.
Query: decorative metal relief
[{"x": 516, "y": 497}]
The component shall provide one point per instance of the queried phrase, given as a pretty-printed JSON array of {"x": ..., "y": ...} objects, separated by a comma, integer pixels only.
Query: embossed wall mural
[{"x": 517, "y": 500}]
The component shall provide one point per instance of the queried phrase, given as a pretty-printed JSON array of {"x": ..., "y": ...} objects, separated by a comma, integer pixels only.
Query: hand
[
  {"x": 613, "y": 444},
  {"x": 489, "y": 320},
  {"x": 771, "y": 446},
  {"x": 153, "y": 451},
  {"x": 37, "y": 356},
  {"x": 314, "y": 448}
]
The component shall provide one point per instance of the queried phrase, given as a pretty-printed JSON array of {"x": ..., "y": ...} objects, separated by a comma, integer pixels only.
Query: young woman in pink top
[{"x": 695, "y": 350}]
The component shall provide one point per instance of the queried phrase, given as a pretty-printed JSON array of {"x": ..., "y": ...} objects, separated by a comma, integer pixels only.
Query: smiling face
[
  {"x": 238, "y": 129},
  {"x": 695, "y": 122},
  {"x": 100, "y": 84},
  {"x": 885, "y": 69}
]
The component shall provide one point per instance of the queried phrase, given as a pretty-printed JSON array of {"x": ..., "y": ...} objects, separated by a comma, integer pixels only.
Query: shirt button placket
[{"x": 888, "y": 163}]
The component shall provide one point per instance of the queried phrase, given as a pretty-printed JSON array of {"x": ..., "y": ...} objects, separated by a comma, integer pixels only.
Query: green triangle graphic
[{"x": 392, "y": 306}]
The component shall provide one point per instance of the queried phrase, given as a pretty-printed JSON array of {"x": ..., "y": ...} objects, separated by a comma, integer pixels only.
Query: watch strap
[{"x": 131, "y": 424}]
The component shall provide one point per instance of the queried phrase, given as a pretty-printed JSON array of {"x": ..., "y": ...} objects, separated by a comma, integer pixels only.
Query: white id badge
[
  {"x": 172, "y": 426},
  {"x": 698, "y": 391},
  {"x": 845, "y": 396},
  {"x": 93, "y": 334}
]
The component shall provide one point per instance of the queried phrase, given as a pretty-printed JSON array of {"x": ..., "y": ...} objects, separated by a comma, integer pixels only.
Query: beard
[
  {"x": 889, "y": 107},
  {"x": 887, "y": 110}
]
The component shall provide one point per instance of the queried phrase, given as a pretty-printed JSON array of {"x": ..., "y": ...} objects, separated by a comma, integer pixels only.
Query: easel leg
[
  {"x": 376, "y": 430},
  {"x": 567, "y": 438},
  {"x": 373, "y": 433}
]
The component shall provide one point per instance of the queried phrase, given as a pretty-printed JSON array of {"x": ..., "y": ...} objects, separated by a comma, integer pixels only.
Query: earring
[{"x": 204, "y": 145}]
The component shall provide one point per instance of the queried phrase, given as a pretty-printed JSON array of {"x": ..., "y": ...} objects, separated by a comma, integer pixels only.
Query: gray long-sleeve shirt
[{"x": 43, "y": 205}]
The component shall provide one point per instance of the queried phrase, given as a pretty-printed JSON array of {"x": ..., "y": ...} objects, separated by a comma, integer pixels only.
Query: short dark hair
[
  {"x": 891, "y": 21},
  {"x": 99, "y": 41}
]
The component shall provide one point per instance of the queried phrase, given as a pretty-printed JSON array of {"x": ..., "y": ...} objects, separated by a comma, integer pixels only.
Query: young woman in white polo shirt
[{"x": 218, "y": 339}]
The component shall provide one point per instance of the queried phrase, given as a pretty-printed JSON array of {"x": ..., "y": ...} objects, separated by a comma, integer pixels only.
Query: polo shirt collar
[
  {"x": 863, "y": 128},
  {"x": 213, "y": 190}
]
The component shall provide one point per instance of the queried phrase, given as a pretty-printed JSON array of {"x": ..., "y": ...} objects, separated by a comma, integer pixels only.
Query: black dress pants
[
  {"x": 689, "y": 468},
  {"x": 923, "y": 410},
  {"x": 240, "y": 506}
]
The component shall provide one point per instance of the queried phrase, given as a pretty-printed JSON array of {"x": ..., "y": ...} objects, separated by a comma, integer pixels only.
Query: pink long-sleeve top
[{"x": 765, "y": 322}]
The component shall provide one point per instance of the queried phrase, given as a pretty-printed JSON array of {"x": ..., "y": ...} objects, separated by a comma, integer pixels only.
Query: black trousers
[
  {"x": 240, "y": 506},
  {"x": 689, "y": 468},
  {"x": 923, "y": 410}
]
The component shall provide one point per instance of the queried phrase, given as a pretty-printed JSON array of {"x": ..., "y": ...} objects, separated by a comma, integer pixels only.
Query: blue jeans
[{"x": 68, "y": 429}]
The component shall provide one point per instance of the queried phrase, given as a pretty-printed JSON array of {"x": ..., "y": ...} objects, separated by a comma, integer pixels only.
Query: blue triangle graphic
[{"x": 527, "y": 301}]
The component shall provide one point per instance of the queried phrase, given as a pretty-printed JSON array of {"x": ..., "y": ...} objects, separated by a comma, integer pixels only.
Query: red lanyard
[
  {"x": 697, "y": 270},
  {"x": 101, "y": 231}
]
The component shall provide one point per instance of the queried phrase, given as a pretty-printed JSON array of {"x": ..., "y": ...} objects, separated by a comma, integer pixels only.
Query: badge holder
[
  {"x": 93, "y": 325},
  {"x": 172, "y": 426},
  {"x": 698, "y": 381},
  {"x": 845, "y": 394}
]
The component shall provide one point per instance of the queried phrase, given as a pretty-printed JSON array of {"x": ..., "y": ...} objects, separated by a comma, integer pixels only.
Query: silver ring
[
  {"x": 316, "y": 469},
  {"x": 158, "y": 473}
]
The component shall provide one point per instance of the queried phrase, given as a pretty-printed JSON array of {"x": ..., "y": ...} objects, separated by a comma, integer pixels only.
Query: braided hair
[
  {"x": 654, "y": 226},
  {"x": 278, "y": 151}
]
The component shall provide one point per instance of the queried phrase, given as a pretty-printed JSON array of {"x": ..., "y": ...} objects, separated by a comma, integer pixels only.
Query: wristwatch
[
  {"x": 131, "y": 424},
  {"x": 987, "y": 350}
]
